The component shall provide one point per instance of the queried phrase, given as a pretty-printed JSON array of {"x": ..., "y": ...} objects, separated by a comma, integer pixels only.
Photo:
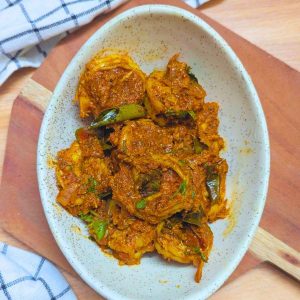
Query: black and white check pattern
[
  {"x": 29, "y": 29},
  {"x": 27, "y": 276}
]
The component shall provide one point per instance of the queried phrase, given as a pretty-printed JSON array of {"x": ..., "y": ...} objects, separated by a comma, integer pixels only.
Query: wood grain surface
[
  {"x": 280, "y": 93},
  {"x": 261, "y": 283},
  {"x": 268, "y": 248},
  {"x": 273, "y": 25}
]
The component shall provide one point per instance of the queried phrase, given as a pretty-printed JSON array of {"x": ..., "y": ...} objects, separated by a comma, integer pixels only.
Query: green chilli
[{"x": 120, "y": 114}]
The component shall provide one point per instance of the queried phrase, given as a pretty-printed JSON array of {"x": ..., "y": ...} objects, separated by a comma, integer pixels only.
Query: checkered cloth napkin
[
  {"x": 27, "y": 276},
  {"x": 29, "y": 29}
]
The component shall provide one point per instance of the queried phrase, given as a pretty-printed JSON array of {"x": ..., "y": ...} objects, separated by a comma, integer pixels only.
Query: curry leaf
[
  {"x": 213, "y": 186},
  {"x": 192, "y": 75},
  {"x": 105, "y": 195},
  {"x": 193, "y": 218}
]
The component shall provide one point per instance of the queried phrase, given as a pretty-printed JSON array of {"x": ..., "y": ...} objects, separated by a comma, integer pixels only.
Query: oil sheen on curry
[{"x": 145, "y": 175}]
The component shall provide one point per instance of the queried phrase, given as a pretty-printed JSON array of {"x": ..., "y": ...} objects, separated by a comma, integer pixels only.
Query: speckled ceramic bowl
[{"x": 152, "y": 34}]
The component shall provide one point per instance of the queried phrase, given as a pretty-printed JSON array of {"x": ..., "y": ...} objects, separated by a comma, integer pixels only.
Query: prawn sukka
[{"x": 146, "y": 175}]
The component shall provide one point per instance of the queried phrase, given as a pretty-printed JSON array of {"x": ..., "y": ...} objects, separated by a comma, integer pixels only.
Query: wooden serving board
[{"x": 278, "y": 85}]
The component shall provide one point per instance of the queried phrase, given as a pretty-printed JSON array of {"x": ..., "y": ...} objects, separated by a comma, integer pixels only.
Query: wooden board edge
[{"x": 36, "y": 94}]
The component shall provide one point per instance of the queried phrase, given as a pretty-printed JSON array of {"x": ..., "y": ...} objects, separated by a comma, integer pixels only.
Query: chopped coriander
[
  {"x": 182, "y": 187},
  {"x": 141, "y": 204},
  {"x": 124, "y": 147},
  {"x": 202, "y": 255},
  {"x": 86, "y": 217},
  {"x": 99, "y": 228},
  {"x": 92, "y": 183},
  {"x": 193, "y": 194},
  {"x": 192, "y": 114},
  {"x": 182, "y": 162}
]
